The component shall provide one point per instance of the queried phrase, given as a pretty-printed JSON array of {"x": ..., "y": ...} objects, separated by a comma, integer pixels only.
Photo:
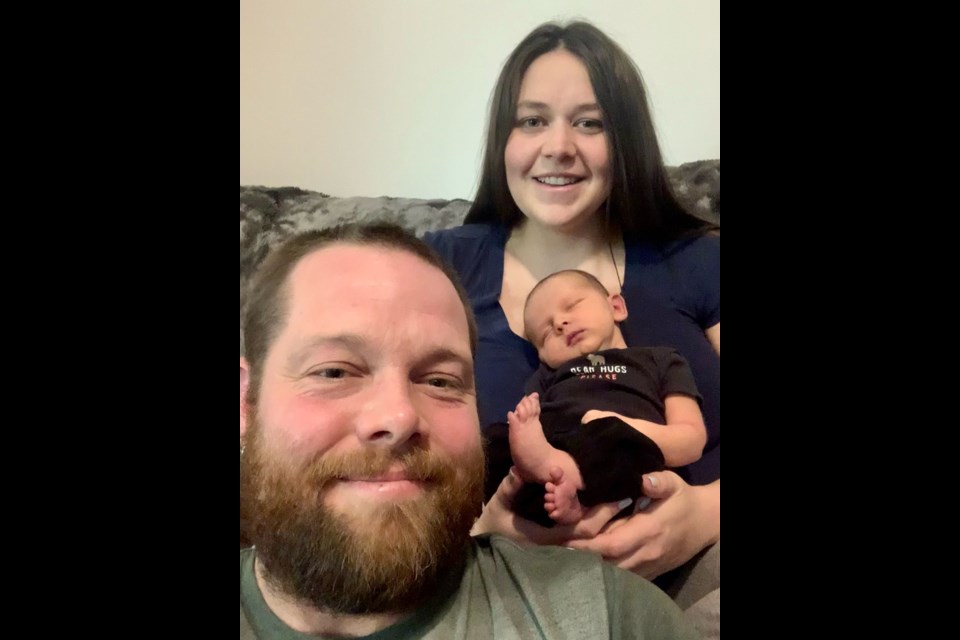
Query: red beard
[{"x": 385, "y": 559}]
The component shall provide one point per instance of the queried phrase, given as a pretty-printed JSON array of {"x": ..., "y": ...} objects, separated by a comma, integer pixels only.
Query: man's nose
[{"x": 389, "y": 417}]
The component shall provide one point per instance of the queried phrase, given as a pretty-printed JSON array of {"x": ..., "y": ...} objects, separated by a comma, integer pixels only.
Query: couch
[{"x": 269, "y": 215}]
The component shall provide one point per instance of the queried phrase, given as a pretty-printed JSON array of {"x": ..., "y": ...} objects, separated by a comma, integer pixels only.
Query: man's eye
[
  {"x": 445, "y": 386},
  {"x": 331, "y": 373}
]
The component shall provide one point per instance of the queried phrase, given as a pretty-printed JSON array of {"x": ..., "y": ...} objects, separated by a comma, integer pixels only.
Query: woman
[{"x": 573, "y": 179}]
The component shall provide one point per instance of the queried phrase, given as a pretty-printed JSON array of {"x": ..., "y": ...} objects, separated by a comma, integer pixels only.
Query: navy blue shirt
[{"x": 672, "y": 295}]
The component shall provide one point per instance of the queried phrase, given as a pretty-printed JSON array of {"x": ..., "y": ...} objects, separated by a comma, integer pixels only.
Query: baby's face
[{"x": 567, "y": 317}]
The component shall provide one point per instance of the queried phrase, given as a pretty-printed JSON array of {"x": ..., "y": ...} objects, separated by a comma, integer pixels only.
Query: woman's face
[{"x": 558, "y": 168}]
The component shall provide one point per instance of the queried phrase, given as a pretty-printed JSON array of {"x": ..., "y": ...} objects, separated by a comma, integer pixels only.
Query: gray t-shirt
[{"x": 509, "y": 592}]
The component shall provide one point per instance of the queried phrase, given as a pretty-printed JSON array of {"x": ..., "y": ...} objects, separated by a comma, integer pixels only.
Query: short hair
[
  {"x": 588, "y": 277},
  {"x": 641, "y": 205},
  {"x": 267, "y": 298}
]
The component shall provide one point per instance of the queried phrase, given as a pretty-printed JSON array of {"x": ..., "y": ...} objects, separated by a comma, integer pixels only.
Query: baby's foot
[
  {"x": 529, "y": 447},
  {"x": 528, "y": 409},
  {"x": 560, "y": 500}
]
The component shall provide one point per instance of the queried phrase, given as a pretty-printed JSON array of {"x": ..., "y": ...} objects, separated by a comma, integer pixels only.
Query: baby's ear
[{"x": 619, "y": 306}]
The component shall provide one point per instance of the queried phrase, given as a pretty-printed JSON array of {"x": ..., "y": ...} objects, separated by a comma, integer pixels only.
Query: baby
[{"x": 597, "y": 414}]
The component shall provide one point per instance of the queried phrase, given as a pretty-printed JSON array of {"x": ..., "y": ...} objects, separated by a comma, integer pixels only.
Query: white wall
[{"x": 381, "y": 97}]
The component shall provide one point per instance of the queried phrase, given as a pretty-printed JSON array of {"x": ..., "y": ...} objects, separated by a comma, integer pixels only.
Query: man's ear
[
  {"x": 244, "y": 387},
  {"x": 619, "y": 306}
]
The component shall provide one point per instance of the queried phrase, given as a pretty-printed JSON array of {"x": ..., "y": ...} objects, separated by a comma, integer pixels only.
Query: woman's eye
[
  {"x": 590, "y": 124},
  {"x": 531, "y": 122}
]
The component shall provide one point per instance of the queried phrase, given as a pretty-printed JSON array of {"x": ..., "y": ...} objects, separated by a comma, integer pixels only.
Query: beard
[{"x": 382, "y": 558}]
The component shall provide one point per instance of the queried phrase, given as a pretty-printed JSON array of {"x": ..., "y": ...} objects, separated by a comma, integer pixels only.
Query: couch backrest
[{"x": 269, "y": 216}]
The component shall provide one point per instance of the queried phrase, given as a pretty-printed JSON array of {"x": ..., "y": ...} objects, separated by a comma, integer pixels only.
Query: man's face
[{"x": 364, "y": 467}]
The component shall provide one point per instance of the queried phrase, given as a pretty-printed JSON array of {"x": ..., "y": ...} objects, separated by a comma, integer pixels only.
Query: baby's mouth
[{"x": 574, "y": 337}]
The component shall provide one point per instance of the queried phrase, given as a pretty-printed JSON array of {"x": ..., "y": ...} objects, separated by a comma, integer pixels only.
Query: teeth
[{"x": 557, "y": 181}]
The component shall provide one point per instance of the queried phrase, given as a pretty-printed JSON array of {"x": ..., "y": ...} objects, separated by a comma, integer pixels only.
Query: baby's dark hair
[{"x": 588, "y": 277}]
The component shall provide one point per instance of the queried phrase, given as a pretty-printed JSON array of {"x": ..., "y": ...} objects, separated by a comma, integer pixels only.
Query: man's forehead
[
  {"x": 339, "y": 263},
  {"x": 351, "y": 274},
  {"x": 347, "y": 253}
]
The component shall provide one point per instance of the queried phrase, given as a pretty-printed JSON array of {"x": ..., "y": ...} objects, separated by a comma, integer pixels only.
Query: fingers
[
  {"x": 510, "y": 485},
  {"x": 595, "y": 519},
  {"x": 635, "y": 543},
  {"x": 661, "y": 484},
  {"x": 508, "y": 488},
  {"x": 619, "y": 543},
  {"x": 497, "y": 516},
  {"x": 619, "y": 537},
  {"x": 631, "y": 544}
]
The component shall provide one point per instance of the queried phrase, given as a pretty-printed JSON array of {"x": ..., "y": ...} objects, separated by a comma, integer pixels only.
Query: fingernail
[
  {"x": 653, "y": 481},
  {"x": 623, "y": 504},
  {"x": 643, "y": 503}
]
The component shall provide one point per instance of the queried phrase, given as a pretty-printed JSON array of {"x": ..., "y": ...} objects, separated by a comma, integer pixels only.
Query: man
[{"x": 361, "y": 465}]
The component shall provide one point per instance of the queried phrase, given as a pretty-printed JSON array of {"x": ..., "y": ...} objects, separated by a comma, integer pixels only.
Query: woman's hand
[
  {"x": 681, "y": 520},
  {"x": 498, "y": 518}
]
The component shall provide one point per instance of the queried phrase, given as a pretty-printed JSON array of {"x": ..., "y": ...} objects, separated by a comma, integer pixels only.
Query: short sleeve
[{"x": 675, "y": 374}]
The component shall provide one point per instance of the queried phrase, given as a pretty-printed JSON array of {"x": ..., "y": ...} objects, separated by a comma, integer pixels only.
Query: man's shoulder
[
  {"x": 584, "y": 596},
  {"x": 564, "y": 559},
  {"x": 246, "y": 553},
  {"x": 539, "y": 563},
  {"x": 246, "y": 573}
]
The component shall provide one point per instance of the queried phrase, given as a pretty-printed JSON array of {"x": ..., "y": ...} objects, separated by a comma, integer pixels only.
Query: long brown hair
[{"x": 641, "y": 203}]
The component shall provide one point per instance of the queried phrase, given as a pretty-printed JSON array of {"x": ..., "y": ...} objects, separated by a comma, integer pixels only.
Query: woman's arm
[
  {"x": 713, "y": 335},
  {"x": 682, "y": 520}
]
